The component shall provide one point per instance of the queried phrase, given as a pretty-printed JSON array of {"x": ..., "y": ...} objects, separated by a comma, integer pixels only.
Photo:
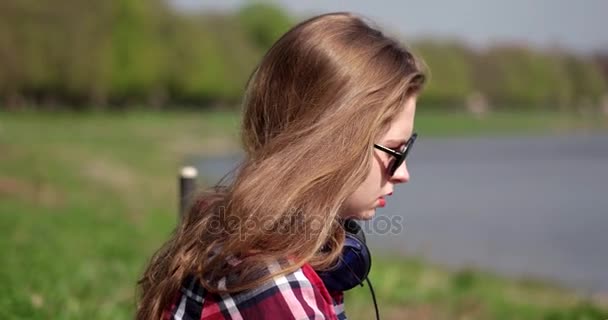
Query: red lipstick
[{"x": 382, "y": 202}]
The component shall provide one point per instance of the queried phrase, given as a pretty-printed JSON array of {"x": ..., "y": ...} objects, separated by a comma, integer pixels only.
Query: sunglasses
[{"x": 399, "y": 155}]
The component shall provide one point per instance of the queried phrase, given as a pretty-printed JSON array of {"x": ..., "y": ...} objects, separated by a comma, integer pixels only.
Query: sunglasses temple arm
[{"x": 387, "y": 150}]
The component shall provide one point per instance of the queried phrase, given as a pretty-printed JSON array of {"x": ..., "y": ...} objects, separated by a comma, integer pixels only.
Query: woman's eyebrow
[{"x": 395, "y": 141}]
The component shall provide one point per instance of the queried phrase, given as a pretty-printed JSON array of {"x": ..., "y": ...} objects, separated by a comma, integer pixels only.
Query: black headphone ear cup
[
  {"x": 364, "y": 258},
  {"x": 356, "y": 245},
  {"x": 352, "y": 227},
  {"x": 354, "y": 263}
]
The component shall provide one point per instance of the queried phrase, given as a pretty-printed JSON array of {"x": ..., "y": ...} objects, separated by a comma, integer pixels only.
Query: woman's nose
[{"x": 402, "y": 175}]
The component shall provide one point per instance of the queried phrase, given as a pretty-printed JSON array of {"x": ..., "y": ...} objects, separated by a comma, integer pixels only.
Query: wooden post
[{"x": 187, "y": 186}]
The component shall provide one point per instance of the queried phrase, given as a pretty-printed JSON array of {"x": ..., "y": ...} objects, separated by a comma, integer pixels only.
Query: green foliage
[
  {"x": 264, "y": 23},
  {"x": 521, "y": 77},
  {"x": 587, "y": 80},
  {"x": 463, "y": 280},
  {"x": 135, "y": 48},
  {"x": 601, "y": 59},
  {"x": 47, "y": 50},
  {"x": 93, "y": 54},
  {"x": 216, "y": 66},
  {"x": 450, "y": 80}
]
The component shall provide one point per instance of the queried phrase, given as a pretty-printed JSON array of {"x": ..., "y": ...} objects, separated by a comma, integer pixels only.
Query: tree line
[{"x": 116, "y": 54}]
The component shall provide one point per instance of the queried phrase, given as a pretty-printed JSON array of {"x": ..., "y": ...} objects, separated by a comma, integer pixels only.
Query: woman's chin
[
  {"x": 366, "y": 215},
  {"x": 361, "y": 215}
]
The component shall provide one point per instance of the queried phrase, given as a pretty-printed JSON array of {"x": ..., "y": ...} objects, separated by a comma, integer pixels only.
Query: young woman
[{"x": 328, "y": 120}]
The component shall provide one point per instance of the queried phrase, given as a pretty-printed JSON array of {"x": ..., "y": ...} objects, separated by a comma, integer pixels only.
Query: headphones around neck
[{"x": 353, "y": 265}]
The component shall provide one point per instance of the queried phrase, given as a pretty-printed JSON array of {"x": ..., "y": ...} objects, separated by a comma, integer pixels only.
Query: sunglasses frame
[{"x": 399, "y": 156}]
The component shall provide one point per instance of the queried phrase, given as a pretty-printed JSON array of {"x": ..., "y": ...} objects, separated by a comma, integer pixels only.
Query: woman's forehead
[{"x": 400, "y": 129}]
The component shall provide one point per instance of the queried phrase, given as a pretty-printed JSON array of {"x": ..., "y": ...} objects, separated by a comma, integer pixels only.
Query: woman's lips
[{"x": 381, "y": 202}]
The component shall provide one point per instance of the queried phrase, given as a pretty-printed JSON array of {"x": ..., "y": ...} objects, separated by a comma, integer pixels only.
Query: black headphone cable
[{"x": 371, "y": 288}]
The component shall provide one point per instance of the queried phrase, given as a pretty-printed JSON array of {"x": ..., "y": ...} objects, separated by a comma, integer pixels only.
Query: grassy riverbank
[{"x": 85, "y": 199}]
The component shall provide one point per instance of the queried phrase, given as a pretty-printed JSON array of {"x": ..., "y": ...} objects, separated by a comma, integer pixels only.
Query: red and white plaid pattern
[{"x": 297, "y": 295}]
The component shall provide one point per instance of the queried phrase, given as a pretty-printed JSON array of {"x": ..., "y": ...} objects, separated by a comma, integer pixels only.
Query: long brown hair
[{"x": 313, "y": 108}]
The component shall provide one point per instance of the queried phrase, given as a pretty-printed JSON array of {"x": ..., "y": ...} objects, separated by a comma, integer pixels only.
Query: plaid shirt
[{"x": 297, "y": 295}]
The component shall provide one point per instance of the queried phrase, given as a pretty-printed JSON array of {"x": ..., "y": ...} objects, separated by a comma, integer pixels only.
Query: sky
[{"x": 575, "y": 25}]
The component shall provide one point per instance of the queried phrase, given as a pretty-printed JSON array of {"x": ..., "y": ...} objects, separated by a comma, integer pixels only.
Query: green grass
[
  {"x": 86, "y": 198},
  {"x": 461, "y": 124},
  {"x": 412, "y": 289}
]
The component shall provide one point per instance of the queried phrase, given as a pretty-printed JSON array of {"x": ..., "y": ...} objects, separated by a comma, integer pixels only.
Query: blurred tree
[
  {"x": 83, "y": 27},
  {"x": 122, "y": 52},
  {"x": 30, "y": 55},
  {"x": 240, "y": 54},
  {"x": 601, "y": 58},
  {"x": 75, "y": 52},
  {"x": 518, "y": 77},
  {"x": 588, "y": 81},
  {"x": 136, "y": 61},
  {"x": 12, "y": 77},
  {"x": 210, "y": 59},
  {"x": 264, "y": 23},
  {"x": 560, "y": 88},
  {"x": 450, "y": 73}
]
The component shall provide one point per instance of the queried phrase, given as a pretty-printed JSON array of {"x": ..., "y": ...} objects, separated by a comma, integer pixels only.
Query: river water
[{"x": 518, "y": 206}]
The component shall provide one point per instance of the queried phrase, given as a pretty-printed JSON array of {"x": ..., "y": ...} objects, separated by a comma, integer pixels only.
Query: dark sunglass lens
[
  {"x": 395, "y": 165},
  {"x": 409, "y": 146},
  {"x": 408, "y": 150},
  {"x": 405, "y": 151}
]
